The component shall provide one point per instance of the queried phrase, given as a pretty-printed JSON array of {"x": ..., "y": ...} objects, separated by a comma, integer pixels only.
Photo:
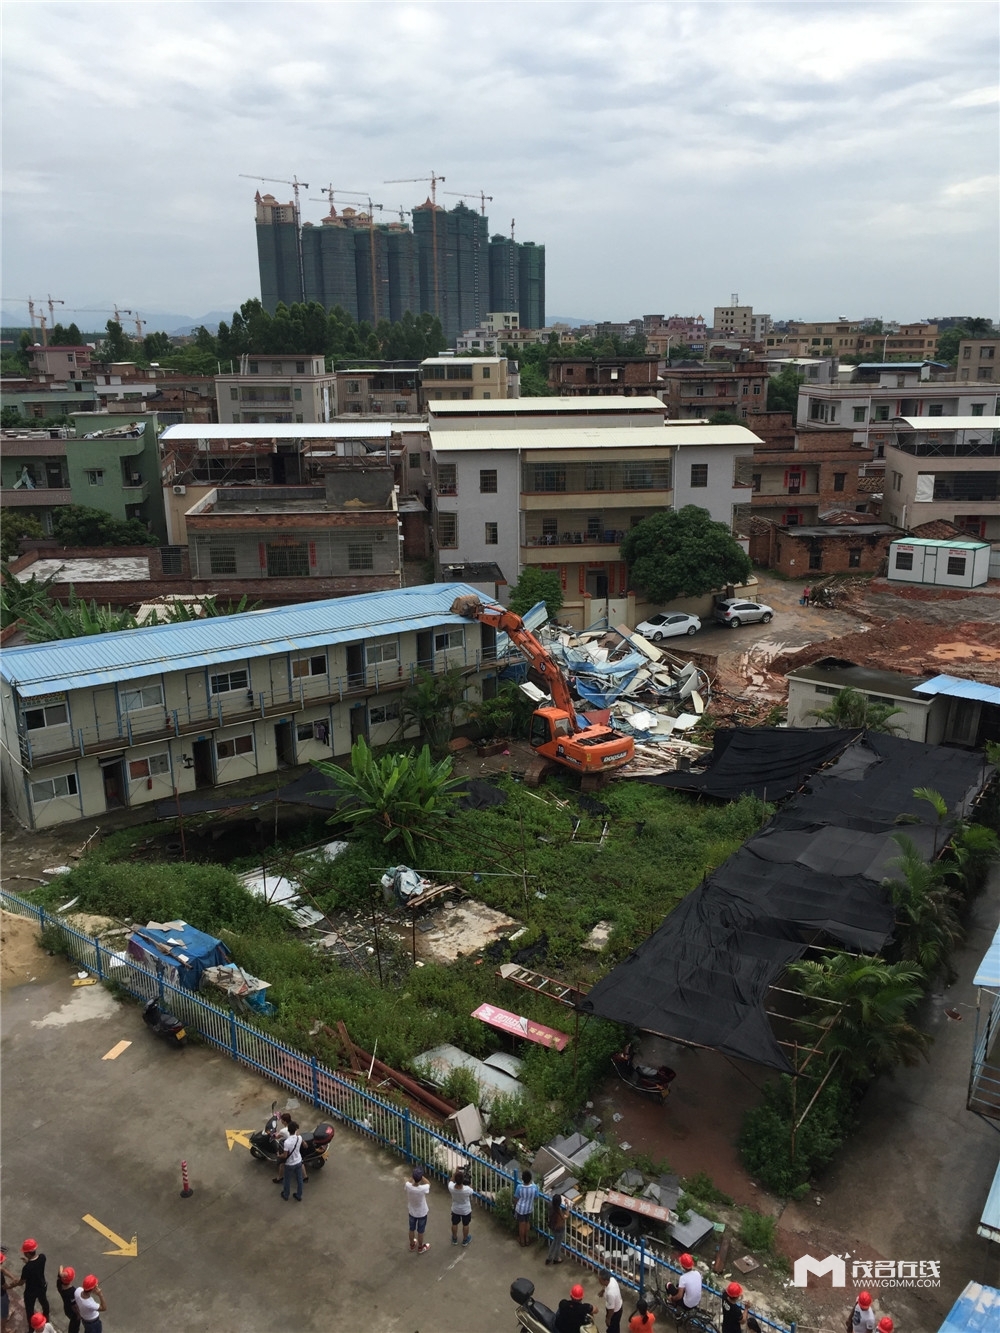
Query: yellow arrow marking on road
[
  {"x": 126, "y": 1248},
  {"x": 241, "y": 1136}
]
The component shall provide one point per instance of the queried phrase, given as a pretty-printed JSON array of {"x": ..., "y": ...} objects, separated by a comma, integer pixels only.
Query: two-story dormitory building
[{"x": 116, "y": 720}]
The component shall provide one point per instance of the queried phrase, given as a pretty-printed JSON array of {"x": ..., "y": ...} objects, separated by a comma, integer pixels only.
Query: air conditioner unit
[{"x": 180, "y": 490}]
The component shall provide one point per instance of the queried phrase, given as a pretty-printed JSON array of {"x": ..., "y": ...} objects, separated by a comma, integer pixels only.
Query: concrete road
[{"x": 105, "y": 1138}]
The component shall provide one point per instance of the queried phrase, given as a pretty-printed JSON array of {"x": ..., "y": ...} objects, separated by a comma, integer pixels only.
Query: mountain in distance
[
  {"x": 572, "y": 320},
  {"x": 154, "y": 321}
]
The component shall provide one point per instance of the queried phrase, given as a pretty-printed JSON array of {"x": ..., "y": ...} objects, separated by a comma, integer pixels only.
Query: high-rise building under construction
[{"x": 447, "y": 265}]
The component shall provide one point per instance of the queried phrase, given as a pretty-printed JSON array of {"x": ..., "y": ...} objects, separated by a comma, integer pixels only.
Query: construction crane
[
  {"x": 361, "y": 197},
  {"x": 52, "y": 303},
  {"x": 414, "y": 180},
  {"x": 296, "y": 185},
  {"x": 403, "y": 212},
  {"x": 480, "y": 195},
  {"x": 558, "y": 734}
]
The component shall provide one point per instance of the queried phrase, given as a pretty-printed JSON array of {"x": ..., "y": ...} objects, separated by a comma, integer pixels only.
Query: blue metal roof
[
  {"x": 103, "y": 659},
  {"x": 989, "y": 1223},
  {"x": 977, "y": 1310},
  {"x": 956, "y": 688},
  {"x": 989, "y": 968}
]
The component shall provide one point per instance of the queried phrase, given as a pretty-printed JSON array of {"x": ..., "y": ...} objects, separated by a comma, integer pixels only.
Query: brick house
[
  {"x": 824, "y": 470},
  {"x": 808, "y": 551},
  {"x": 701, "y": 389},
  {"x": 593, "y": 375}
]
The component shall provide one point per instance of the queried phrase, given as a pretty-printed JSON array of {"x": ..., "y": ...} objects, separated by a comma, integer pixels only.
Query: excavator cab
[{"x": 548, "y": 725}]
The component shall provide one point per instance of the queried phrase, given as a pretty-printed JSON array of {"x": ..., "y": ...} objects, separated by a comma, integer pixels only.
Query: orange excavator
[{"x": 558, "y": 734}]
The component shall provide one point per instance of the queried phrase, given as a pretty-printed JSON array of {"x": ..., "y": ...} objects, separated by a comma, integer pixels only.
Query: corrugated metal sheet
[
  {"x": 989, "y": 1223},
  {"x": 955, "y": 688},
  {"x": 953, "y": 423},
  {"x": 331, "y": 430},
  {"x": 102, "y": 659},
  {"x": 591, "y": 437},
  {"x": 977, "y": 1310},
  {"x": 989, "y": 968}
]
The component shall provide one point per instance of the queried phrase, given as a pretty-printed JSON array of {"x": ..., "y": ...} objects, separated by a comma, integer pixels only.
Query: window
[
  {"x": 414, "y": 460},
  {"x": 228, "y": 681},
  {"x": 756, "y": 389},
  {"x": 300, "y": 367},
  {"x": 142, "y": 696},
  {"x": 171, "y": 559},
  {"x": 95, "y": 476},
  {"x": 304, "y": 731},
  {"x": 699, "y": 474},
  {"x": 152, "y": 767},
  {"x": 986, "y": 353},
  {"x": 815, "y": 559},
  {"x": 309, "y": 666},
  {"x": 897, "y": 481},
  {"x": 854, "y": 557},
  {"x": 297, "y": 395},
  {"x": 277, "y": 368},
  {"x": 353, "y": 386},
  {"x": 956, "y": 564},
  {"x": 491, "y": 536},
  {"x": 984, "y": 373},
  {"x": 287, "y": 559},
  {"x": 447, "y": 530},
  {"x": 935, "y": 409},
  {"x": 222, "y": 557},
  {"x": 755, "y": 481},
  {"x": 966, "y": 353},
  {"x": 746, "y": 388},
  {"x": 550, "y": 527},
  {"x": 486, "y": 372},
  {"x": 379, "y": 713},
  {"x": 386, "y": 651},
  {"x": 51, "y": 715},
  {"x": 237, "y": 745},
  {"x": 859, "y": 413},
  {"x": 882, "y": 412},
  {"x": 254, "y": 367},
  {"x": 449, "y": 638},
  {"x": 485, "y": 396},
  {"x": 978, "y": 409},
  {"x": 447, "y": 479},
  {"x": 488, "y": 481},
  {"x": 360, "y": 555},
  {"x": 49, "y": 788},
  {"x": 638, "y": 477},
  {"x": 234, "y": 394},
  {"x": 838, "y": 480},
  {"x": 904, "y": 559},
  {"x": 399, "y": 407}
]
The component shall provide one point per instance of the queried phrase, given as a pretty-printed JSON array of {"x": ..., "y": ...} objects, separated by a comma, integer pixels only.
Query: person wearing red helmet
[
  {"x": 90, "y": 1303},
  {"x": 687, "y": 1291},
  {"x": 885, "y": 1324},
  {"x": 733, "y": 1313},
  {"x": 39, "y": 1324},
  {"x": 862, "y": 1318},
  {"x": 65, "y": 1286},
  {"x": 32, "y": 1279},
  {"x": 573, "y": 1313}
]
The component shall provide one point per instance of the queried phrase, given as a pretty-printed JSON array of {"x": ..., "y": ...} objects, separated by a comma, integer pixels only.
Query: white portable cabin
[{"x": 946, "y": 564}]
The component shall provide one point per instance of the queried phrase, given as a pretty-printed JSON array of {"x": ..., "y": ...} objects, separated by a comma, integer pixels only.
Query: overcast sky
[{"x": 818, "y": 159}]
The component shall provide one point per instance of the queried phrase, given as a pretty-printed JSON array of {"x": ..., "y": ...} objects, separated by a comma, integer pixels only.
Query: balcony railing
[
  {"x": 41, "y": 495},
  {"x": 609, "y": 537},
  {"x": 43, "y": 746}
]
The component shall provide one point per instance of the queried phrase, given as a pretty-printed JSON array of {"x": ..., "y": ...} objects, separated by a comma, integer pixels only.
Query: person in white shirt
[
  {"x": 417, "y": 1191},
  {"x": 687, "y": 1292},
  {"x": 90, "y": 1303},
  {"x": 461, "y": 1206},
  {"x": 291, "y": 1149},
  {"x": 279, "y": 1136},
  {"x": 612, "y": 1293}
]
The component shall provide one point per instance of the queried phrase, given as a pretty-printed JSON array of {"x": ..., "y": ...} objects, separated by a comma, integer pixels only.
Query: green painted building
[{"x": 114, "y": 464}]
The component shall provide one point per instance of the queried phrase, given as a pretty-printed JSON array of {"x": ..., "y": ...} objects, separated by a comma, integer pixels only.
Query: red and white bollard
[{"x": 187, "y": 1191}]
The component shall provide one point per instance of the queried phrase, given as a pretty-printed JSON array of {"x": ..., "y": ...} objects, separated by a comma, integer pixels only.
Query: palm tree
[
  {"x": 430, "y": 704},
  {"x": 926, "y": 917},
  {"x": 871, "y": 1031},
  {"x": 852, "y": 708}
]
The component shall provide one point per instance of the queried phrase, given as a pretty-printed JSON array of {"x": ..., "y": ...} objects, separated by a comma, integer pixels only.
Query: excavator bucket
[{"x": 467, "y": 605}]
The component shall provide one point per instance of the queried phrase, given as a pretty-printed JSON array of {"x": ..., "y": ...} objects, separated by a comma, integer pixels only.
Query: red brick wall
[{"x": 790, "y": 553}]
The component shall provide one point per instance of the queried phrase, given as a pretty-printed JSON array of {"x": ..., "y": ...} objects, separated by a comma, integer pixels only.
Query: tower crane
[
  {"x": 296, "y": 185},
  {"x": 414, "y": 180},
  {"x": 52, "y": 303},
  {"x": 361, "y": 197},
  {"x": 480, "y": 195}
]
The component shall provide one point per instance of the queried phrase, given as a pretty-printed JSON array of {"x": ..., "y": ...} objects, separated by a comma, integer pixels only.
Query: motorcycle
[
  {"x": 164, "y": 1025},
  {"x": 653, "y": 1080},
  {"x": 265, "y": 1146},
  {"x": 532, "y": 1315}
]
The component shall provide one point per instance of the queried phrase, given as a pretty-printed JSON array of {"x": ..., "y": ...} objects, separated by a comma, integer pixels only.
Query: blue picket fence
[{"x": 633, "y": 1261}]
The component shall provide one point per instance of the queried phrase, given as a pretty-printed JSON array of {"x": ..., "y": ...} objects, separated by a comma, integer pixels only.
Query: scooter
[
  {"x": 532, "y": 1315},
  {"x": 265, "y": 1147},
  {"x": 165, "y": 1025},
  {"x": 653, "y": 1080}
]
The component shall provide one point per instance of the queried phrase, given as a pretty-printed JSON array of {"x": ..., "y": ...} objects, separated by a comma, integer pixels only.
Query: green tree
[
  {"x": 405, "y": 798},
  {"x": 681, "y": 352},
  {"x": 852, "y": 708},
  {"x": 536, "y": 585},
  {"x": 927, "y": 924},
  {"x": 116, "y": 344},
  {"x": 76, "y": 620},
  {"x": 78, "y": 525},
  {"x": 724, "y": 419},
  {"x": 10, "y": 417},
  {"x": 17, "y": 598},
  {"x": 871, "y": 1031},
  {"x": 683, "y": 553},
  {"x": 430, "y": 704},
  {"x": 533, "y": 383},
  {"x": 68, "y": 337},
  {"x": 13, "y": 526},
  {"x": 783, "y": 391},
  {"x": 155, "y": 346}
]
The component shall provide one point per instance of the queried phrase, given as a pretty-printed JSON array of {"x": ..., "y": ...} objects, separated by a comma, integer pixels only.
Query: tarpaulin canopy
[
  {"x": 180, "y": 948},
  {"x": 314, "y": 789},
  {"x": 814, "y": 874},
  {"x": 766, "y": 762}
]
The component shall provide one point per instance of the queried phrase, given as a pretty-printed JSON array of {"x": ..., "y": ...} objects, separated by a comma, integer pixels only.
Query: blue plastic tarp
[
  {"x": 977, "y": 1310},
  {"x": 180, "y": 948}
]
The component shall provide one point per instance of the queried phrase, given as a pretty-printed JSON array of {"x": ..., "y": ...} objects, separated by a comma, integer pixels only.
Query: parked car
[
  {"x": 667, "y": 624},
  {"x": 735, "y": 611}
]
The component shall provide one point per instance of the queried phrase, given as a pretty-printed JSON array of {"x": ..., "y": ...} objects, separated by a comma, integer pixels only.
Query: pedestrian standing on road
[
  {"x": 461, "y": 1206},
  {"x": 417, "y": 1191},
  {"x": 557, "y": 1225},
  {"x": 733, "y": 1313},
  {"x": 65, "y": 1286},
  {"x": 804, "y": 599},
  {"x": 90, "y": 1304},
  {"x": 292, "y": 1157},
  {"x": 608, "y": 1286},
  {"x": 862, "y": 1317},
  {"x": 32, "y": 1279},
  {"x": 280, "y": 1134},
  {"x": 39, "y": 1324},
  {"x": 524, "y": 1206}
]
